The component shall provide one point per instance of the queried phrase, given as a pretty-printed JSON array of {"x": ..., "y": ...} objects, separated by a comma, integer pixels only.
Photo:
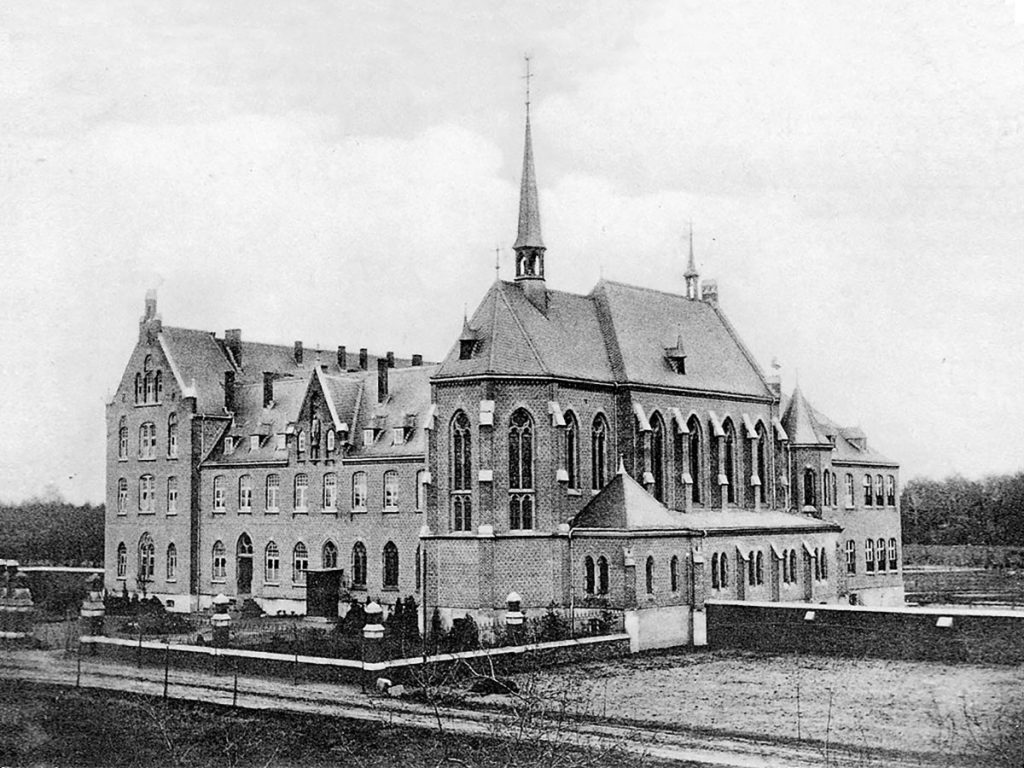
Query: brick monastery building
[{"x": 617, "y": 450}]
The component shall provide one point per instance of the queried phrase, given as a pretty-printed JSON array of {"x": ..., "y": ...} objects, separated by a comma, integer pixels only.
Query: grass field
[{"x": 863, "y": 703}]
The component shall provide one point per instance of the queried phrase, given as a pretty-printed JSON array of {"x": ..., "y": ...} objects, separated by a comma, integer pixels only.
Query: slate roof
[
  {"x": 625, "y": 505},
  {"x": 845, "y": 448},
  {"x": 617, "y": 333},
  {"x": 799, "y": 422}
]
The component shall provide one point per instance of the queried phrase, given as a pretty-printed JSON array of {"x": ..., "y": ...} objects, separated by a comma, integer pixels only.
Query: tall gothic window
[
  {"x": 761, "y": 461},
  {"x": 695, "y": 458},
  {"x": 572, "y": 449},
  {"x": 520, "y": 471},
  {"x": 172, "y": 562},
  {"x": 147, "y": 559},
  {"x": 329, "y": 555},
  {"x": 598, "y": 452},
  {"x": 588, "y": 575},
  {"x": 147, "y": 441},
  {"x": 729, "y": 460},
  {"x": 122, "y": 561},
  {"x": 461, "y": 477},
  {"x": 602, "y": 575},
  {"x": 809, "y": 483},
  {"x": 359, "y": 565},
  {"x": 850, "y": 493},
  {"x": 122, "y": 496},
  {"x": 658, "y": 455},
  {"x": 122, "y": 439},
  {"x": 879, "y": 492},
  {"x": 890, "y": 491},
  {"x": 868, "y": 495},
  {"x": 390, "y": 566},
  {"x": 826, "y": 489},
  {"x": 650, "y": 574}
]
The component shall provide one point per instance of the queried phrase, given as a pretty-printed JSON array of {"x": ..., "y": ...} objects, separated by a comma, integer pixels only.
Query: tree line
[
  {"x": 956, "y": 510},
  {"x": 52, "y": 532}
]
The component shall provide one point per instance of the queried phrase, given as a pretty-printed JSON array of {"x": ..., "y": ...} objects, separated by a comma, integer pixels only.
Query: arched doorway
[{"x": 244, "y": 563}]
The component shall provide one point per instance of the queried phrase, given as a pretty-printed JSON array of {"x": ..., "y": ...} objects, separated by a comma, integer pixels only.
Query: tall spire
[
  {"x": 529, "y": 245},
  {"x": 691, "y": 274}
]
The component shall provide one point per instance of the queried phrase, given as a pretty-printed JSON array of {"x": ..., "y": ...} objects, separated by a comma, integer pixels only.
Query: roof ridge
[{"x": 526, "y": 336}]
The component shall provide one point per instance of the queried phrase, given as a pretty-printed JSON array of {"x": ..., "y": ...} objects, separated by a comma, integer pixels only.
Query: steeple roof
[
  {"x": 529, "y": 208},
  {"x": 691, "y": 265},
  {"x": 799, "y": 422}
]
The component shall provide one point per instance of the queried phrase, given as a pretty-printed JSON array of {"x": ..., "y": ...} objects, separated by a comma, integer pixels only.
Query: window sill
[
  {"x": 172, "y": 514},
  {"x": 274, "y": 584},
  {"x": 358, "y": 511},
  {"x": 573, "y": 492},
  {"x": 122, "y": 514},
  {"x": 299, "y": 584},
  {"x": 218, "y": 512},
  {"x": 146, "y": 512},
  {"x": 122, "y": 459},
  {"x": 245, "y": 510},
  {"x": 172, "y": 458},
  {"x": 390, "y": 510},
  {"x": 218, "y": 581},
  {"x": 170, "y": 581},
  {"x": 121, "y": 578},
  {"x": 147, "y": 458},
  {"x": 389, "y": 588},
  {"x": 274, "y": 511},
  {"x": 304, "y": 511},
  {"x": 358, "y": 588}
]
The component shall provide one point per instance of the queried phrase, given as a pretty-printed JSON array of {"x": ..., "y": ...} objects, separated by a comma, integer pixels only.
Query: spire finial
[
  {"x": 527, "y": 78},
  {"x": 691, "y": 275},
  {"x": 497, "y": 263}
]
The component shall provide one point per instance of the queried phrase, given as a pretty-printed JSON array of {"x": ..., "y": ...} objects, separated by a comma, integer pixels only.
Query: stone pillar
[
  {"x": 699, "y": 622},
  {"x": 373, "y": 640},
  {"x": 221, "y": 621},
  {"x": 93, "y": 610},
  {"x": 19, "y": 603},
  {"x": 514, "y": 617},
  {"x": 629, "y": 580}
]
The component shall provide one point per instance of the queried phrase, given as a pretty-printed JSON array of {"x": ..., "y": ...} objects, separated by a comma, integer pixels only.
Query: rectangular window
[
  {"x": 147, "y": 488},
  {"x": 122, "y": 496},
  {"x": 851, "y": 556},
  {"x": 172, "y": 563},
  {"x": 894, "y": 560},
  {"x": 245, "y": 493},
  {"x": 219, "y": 496},
  {"x": 330, "y": 491},
  {"x": 869, "y": 556},
  {"x": 301, "y": 500},
  {"x": 890, "y": 491},
  {"x": 849, "y": 492},
  {"x": 868, "y": 495},
  {"x": 421, "y": 490},
  {"x": 172, "y": 496},
  {"x": 273, "y": 489},
  {"x": 391, "y": 491},
  {"x": 359, "y": 492}
]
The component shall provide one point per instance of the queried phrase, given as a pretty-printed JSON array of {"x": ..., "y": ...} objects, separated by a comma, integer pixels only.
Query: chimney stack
[
  {"x": 382, "y": 380},
  {"x": 229, "y": 391},
  {"x": 709, "y": 292},
  {"x": 150, "y": 305},
  {"x": 298, "y": 353},
  {"x": 391, "y": 359},
  {"x": 362, "y": 359},
  {"x": 417, "y": 361},
  {"x": 342, "y": 358},
  {"x": 268, "y": 388},
  {"x": 775, "y": 385},
  {"x": 233, "y": 341}
]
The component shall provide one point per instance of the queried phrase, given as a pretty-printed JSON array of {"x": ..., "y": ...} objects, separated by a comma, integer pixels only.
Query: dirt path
[{"x": 349, "y": 702}]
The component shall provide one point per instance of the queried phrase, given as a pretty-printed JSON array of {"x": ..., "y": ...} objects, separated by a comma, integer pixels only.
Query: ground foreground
[
  {"x": 43, "y": 725},
  {"x": 970, "y": 710}
]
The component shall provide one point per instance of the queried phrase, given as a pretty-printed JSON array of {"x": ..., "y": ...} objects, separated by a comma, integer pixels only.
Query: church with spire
[{"x": 620, "y": 451}]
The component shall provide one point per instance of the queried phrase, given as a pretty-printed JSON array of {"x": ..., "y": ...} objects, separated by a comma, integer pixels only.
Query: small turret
[{"x": 692, "y": 275}]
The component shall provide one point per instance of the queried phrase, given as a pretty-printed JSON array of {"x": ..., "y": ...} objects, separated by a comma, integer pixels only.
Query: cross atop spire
[{"x": 527, "y": 77}]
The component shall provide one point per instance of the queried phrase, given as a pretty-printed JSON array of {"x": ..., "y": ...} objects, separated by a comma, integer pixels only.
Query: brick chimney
[
  {"x": 268, "y": 388},
  {"x": 417, "y": 361},
  {"x": 233, "y": 341},
  {"x": 298, "y": 353},
  {"x": 342, "y": 358},
  {"x": 362, "y": 358},
  {"x": 391, "y": 359},
  {"x": 382, "y": 380},
  {"x": 709, "y": 292},
  {"x": 229, "y": 390}
]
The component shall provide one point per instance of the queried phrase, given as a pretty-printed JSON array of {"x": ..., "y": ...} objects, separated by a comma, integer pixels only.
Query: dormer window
[
  {"x": 675, "y": 356},
  {"x": 282, "y": 441},
  {"x": 368, "y": 436},
  {"x": 398, "y": 436},
  {"x": 302, "y": 441},
  {"x": 467, "y": 341},
  {"x": 229, "y": 445},
  {"x": 330, "y": 440},
  {"x": 254, "y": 442}
]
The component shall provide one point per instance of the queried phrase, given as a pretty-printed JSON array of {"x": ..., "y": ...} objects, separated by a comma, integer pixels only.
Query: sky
[{"x": 342, "y": 173}]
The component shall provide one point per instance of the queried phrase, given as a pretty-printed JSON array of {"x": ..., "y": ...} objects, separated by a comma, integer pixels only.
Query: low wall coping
[
  {"x": 896, "y": 610},
  {"x": 325, "y": 661}
]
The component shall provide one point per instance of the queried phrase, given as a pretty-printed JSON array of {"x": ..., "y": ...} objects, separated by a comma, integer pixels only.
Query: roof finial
[
  {"x": 497, "y": 263},
  {"x": 529, "y": 245},
  {"x": 622, "y": 466}
]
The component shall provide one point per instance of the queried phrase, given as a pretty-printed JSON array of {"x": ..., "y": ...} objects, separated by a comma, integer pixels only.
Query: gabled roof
[
  {"x": 850, "y": 442},
  {"x": 623, "y": 504},
  {"x": 617, "y": 333},
  {"x": 406, "y": 407}
]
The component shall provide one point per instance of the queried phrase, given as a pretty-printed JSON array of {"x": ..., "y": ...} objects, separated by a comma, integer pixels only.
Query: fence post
[{"x": 373, "y": 640}]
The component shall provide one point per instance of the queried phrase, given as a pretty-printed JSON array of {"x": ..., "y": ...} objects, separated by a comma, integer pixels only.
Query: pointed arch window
[
  {"x": 729, "y": 460},
  {"x": 359, "y": 565},
  {"x": 147, "y": 559},
  {"x": 572, "y": 449},
  {"x": 868, "y": 495},
  {"x": 793, "y": 574},
  {"x": 759, "y": 568},
  {"x": 894, "y": 559},
  {"x": 520, "y": 471},
  {"x": 715, "y": 583},
  {"x": 890, "y": 491},
  {"x": 826, "y": 488},
  {"x": 300, "y": 563},
  {"x": 673, "y": 573},
  {"x": 751, "y": 570},
  {"x": 650, "y": 574},
  {"x": 658, "y": 455},
  {"x": 172, "y": 562},
  {"x": 696, "y": 460},
  {"x": 879, "y": 492},
  {"x": 172, "y": 436},
  {"x": 461, "y": 478},
  {"x": 149, "y": 384},
  {"x": 122, "y": 561},
  {"x": 851, "y": 555},
  {"x": 598, "y": 452},
  {"x": 761, "y": 461},
  {"x": 602, "y": 575},
  {"x": 329, "y": 555},
  {"x": 809, "y": 487},
  {"x": 869, "y": 556},
  {"x": 138, "y": 388},
  {"x": 122, "y": 439},
  {"x": 723, "y": 571},
  {"x": 589, "y": 580},
  {"x": 881, "y": 555},
  {"x": 850, "y": 492},
  {"x": 272, "y": 563},
  {"x": 390, "y": 557},
  {"x": 159, "y": 386}
]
